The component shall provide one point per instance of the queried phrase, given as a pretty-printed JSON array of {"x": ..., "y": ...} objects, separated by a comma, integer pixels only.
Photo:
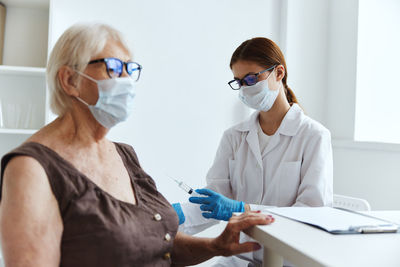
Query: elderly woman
[{"x": 70, "y": 197}]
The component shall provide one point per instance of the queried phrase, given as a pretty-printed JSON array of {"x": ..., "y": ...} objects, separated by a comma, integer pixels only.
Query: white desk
[{"x": 308, "y": 246}]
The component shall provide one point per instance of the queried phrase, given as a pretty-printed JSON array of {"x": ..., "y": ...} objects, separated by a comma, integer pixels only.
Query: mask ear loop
[
  {"x": 83, "y": 101},
  {"x": 88, "y": 77},
  {"x": 266, "y": 79},
  {"x": 270, "y": 73}
]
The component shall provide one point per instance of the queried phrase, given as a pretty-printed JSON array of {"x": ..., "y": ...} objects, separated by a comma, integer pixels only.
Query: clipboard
[{"x": 337, "y": 221}]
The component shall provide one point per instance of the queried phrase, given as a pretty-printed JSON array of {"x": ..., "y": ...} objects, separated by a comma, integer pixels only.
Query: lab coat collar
[{"x": 289, "y": 126}]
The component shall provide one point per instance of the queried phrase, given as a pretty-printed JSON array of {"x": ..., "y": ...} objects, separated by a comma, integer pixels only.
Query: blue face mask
[
  {"x": 115, "y": 101},
  {"x": 259, "y": 96}
]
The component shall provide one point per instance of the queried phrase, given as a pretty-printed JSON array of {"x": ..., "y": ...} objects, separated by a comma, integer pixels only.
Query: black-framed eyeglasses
[
  {"x": 115, "y": 67},
  {"x": 250, "y": 79}
]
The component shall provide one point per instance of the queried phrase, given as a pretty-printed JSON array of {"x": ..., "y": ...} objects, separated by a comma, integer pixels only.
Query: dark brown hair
[{"x": 266, "y": 53}]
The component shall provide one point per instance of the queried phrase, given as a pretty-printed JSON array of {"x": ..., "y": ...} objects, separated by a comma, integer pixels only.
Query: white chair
[{"x": 350, "y": 203}]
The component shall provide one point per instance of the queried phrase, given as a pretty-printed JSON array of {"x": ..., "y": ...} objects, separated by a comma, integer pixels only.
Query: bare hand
[{"x": 227, "y": 243}]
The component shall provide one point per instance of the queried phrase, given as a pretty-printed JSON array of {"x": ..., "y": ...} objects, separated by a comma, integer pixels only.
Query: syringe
[{"x": 186, "y": 188}]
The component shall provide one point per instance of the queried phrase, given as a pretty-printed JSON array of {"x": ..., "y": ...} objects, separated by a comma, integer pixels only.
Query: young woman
[{"x": 278, "y": 157}]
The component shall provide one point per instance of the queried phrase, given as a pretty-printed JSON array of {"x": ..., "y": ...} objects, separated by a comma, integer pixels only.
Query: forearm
[{"x": 189, "y": 250}]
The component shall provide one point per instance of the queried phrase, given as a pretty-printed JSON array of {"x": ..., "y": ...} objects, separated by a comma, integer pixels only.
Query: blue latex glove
[
  {"x": 217, "y": 206},
  {"x": 178, "y": 209}
]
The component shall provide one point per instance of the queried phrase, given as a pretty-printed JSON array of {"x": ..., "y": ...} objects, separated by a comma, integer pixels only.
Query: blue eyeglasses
[
  {"x": 249, "y": 80},
  {"x": 115, "y": 67}
]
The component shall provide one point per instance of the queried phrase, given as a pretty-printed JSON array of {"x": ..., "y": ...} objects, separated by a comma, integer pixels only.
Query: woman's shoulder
[
  {"x": 127, "y": 150},
  {"x": 128, "y": 155},
  {"x": 125, "y": 147},
  {"x": 23, "y": 165},
  {"x": 29, "y": 149},
  {"x": 312, "y": 131},
  {"x": 29, "y": 152},
  {"x": 296, "y": 123},
  {"x": 233, "y": 136},
  {"x": 244, "y": 126},
  {"x": 312, "y": 126},
  {"x": 26, "y": 164}
]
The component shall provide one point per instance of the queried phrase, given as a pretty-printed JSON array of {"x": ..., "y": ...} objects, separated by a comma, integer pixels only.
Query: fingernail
[
  {"x": 258, "y": 211},
  {"x": 256, "y": 246}
]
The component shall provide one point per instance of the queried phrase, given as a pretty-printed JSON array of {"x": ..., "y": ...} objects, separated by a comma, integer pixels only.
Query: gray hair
[{"x": 76, "y": 46}]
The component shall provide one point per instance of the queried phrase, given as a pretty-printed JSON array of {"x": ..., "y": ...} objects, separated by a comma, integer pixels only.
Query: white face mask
[
  {"x": 115, "y": 101},
  {"x": 259, "y": 96}
]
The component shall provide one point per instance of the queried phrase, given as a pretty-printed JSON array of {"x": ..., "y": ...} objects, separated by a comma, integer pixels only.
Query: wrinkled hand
[
  {"x": 216, "y": 205},
  {"x": 227, "y": 243},
  {"x": 189, "y": 250}
]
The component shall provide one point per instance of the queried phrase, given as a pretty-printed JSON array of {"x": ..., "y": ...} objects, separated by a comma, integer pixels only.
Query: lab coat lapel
[{"x": 254, "y": 145}]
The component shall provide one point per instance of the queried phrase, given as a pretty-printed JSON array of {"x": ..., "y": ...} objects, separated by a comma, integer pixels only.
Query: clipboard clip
[{"x": 372, "y": 229}]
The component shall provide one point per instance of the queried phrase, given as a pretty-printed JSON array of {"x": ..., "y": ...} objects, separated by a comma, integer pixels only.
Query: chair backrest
[{"x": 350, "y": 203}]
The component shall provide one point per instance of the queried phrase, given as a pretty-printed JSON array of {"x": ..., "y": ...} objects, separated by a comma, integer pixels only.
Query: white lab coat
[{"x": 294, "y": 170}]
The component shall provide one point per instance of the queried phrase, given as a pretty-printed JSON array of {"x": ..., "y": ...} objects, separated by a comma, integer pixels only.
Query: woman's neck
[
  {"x": 78, "y": 126},
  {"x": 271, "y": 120}
]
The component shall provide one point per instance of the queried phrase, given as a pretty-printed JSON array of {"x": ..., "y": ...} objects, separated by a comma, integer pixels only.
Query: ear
[
  {"x": 68, "y": 80},
  {"x": 280, "y": 72}
]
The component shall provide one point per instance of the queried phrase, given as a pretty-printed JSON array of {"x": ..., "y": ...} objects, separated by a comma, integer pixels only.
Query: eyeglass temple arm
[
  {"x": 96, "y": 61},
  {"x": 266, "y": 70}
]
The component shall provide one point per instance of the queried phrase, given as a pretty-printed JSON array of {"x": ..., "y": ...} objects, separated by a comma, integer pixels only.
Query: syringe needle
[
  {"x": 176, "y": 181},
  {"x": 185, "y": 187}
]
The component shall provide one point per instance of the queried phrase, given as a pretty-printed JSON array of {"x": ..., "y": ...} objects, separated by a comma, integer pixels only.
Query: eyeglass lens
[
  {"x": 250, "y": 79},
  {"x": 115, "y": 68},
  {"x": 133, "y": 69}
]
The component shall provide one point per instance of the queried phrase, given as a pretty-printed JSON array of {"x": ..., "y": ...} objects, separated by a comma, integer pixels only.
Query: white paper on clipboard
[{"x": 336, "y": 221}]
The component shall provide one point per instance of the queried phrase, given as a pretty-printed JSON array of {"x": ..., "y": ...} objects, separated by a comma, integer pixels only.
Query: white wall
[
  {"x": 306, "y": 54},
  {"x": 368, "y": 173},
  {"x": 342, "y": 68},
  {"x": 183, "y": 103},
  {"x": 321, "y": 53}
]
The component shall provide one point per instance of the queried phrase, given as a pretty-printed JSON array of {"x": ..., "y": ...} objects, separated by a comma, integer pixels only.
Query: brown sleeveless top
[{"x": 100, "y": 230}]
